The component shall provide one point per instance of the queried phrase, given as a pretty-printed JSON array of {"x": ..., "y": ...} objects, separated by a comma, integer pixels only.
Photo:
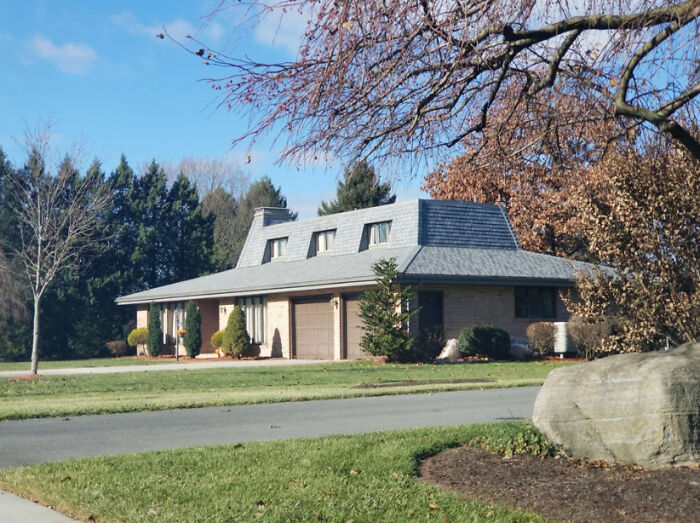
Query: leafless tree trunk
[{"x": 58, "y": 220}]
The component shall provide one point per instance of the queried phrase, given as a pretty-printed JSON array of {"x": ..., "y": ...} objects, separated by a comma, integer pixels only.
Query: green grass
[
  {"x": 343, "y": 478},
  {"x": 134, "y": 391},
  {"x": 72, "y": 364}
]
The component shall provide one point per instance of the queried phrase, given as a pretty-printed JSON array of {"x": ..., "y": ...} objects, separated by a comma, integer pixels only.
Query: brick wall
[{"x": 470, "y": 305}]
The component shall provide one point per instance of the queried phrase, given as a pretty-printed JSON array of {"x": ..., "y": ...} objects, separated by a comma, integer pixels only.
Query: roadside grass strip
[
  {"x": 129, "y": 392},
  {"x": 371, "y": 477}
]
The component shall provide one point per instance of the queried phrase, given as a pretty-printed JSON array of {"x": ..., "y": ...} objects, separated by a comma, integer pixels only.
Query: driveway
[
  {"x": 54, "y": 439},
  {"x": 162, "y": 367}
]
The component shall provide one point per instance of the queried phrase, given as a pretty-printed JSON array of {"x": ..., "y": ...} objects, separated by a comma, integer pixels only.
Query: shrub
[
  {"x": 235, "y": 340},
  {"x": 217, "y": 339},
  {"x": 427, "y": 345},
  {"x": 154, "y": 341},
  {"x": 138, "y": 337},
  {"x": 385, "y": 316},
  {"x": 117, "y": 348},
  {"x": 589, "y": 335},
  {"x": 541, "y": 336},
  {"x": 193, "y": 329},
  {"x": 528, "y": 440},
  {"x": 487, "y": 340}
]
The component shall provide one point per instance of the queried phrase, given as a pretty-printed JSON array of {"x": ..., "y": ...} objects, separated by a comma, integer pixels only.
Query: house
[{"x": 299, "y": 282}]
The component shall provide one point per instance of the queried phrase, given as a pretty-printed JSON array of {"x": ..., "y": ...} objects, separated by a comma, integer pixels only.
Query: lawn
[
  {"x": 72, "y": 364},
  {"x": 343, "y": 478},
  {"x": 134, "y": 391}
]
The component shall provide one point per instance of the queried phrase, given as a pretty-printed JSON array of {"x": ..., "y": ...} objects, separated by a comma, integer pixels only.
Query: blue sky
[{"x": 97, "y": 70}]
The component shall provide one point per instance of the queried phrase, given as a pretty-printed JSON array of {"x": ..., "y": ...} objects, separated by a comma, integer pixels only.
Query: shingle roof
[
  {"x": 316, "y": 272},
  {"x": 464, "y": 224},
  {"x": 492, "y": 265},
  {"x": 431, "y": 240}
]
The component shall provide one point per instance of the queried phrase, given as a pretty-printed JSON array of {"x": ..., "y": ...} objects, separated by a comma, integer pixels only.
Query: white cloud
[
  {"x": 179, "y": 28},
  {"x": 278, "y": 29},
  {"x": 71, "y": 58}
]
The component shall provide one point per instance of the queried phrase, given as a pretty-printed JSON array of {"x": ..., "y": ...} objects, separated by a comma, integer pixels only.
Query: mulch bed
[
  {"x": 411, "y": 383},
  {"x": 566, "y": 490}
]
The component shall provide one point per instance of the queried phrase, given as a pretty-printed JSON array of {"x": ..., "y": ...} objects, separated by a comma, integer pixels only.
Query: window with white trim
[
  {"x": 379, "y": 233},
  {"x": 278, "y": 248},
  {"x": 325, "y": 241},
  {"x": 255, "y": 311}
]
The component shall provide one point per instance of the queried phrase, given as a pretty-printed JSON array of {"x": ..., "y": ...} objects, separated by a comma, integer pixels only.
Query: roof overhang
[{"x": 247, "y": 292}]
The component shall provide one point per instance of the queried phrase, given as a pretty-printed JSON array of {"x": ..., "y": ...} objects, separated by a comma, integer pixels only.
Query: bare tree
[
  {"x": 58, "y": 220},
  {"x": 208, "y": 174},
  {"x": 412, "y": 79}
]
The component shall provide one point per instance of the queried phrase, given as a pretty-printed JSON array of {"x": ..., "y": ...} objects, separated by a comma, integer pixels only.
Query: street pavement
[{"x": 24, "y": 442}]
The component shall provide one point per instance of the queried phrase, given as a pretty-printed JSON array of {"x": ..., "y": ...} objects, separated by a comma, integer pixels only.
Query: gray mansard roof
[{"x": 432, "y": 241}]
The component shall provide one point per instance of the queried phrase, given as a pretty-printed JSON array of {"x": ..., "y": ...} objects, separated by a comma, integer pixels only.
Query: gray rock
[
  {"x": 449, "y": 352},
  {"x": 641, "y": 408},
  {"x": 520, "y": 349}
]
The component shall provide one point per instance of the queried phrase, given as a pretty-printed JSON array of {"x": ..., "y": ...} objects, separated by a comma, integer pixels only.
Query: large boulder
[{"x": 641, "y": 408}]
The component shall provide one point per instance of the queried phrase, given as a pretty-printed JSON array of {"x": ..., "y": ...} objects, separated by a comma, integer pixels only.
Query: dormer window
[
  {"x": 325, "y": 241},
  {"x": 278, "y": 248},
  {"x": 379, "y": 233}
]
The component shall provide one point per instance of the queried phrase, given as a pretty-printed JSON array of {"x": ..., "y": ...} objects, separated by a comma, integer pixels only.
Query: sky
[{"x": 98, "y": 72}]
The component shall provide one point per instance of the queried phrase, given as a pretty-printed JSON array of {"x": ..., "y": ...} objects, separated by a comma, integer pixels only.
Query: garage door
[
  {"x": 353, "y": 329},
  {"x": 313, "y": 328}
]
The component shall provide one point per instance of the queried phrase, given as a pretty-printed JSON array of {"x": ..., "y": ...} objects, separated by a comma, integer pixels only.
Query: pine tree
[
  {"x": 224, "y": 208},
  {"x": 190, "y": 233},
  {"x": 385, "y": 314},
  {"x": 236, "y": 339},
  {"x": 193, "y": 329},
  {"x": 154, "y": 342},
  {"x": 359, "y": 190}
]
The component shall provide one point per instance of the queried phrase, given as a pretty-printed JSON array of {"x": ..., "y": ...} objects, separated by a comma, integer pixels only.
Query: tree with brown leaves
[
  {"x": 641, "y": 213},
  {"x": 412, "y": 79}
]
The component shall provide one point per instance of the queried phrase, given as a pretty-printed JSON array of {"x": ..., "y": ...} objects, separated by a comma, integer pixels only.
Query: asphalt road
[{"x": 54, "y": 439}]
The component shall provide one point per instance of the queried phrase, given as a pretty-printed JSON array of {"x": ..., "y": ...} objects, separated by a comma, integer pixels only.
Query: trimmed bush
[
  {"x": 540, "y": 336},
  {"x": 589, "y": 336},
  {"x": 235, "y": 340},
  {"x": 117, "y": 348},
  {"x": 154, "y": 341},
  {"x": 217, "y": 339},
  {"x": 138, "y": 337},
  {"x": 193, "y": 330},
  {"x": 484, "y": 340}
]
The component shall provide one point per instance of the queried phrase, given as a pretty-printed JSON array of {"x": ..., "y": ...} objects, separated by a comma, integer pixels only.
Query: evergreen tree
[
  {"x": 154, "y": 343},
  {"x": 385, "y": 314},
  {"x": 150, "y": 203},
  {"x": 236, "y": 339},
  {"x": 224, "y": 208},
  {"x": 193, "y": 329},
  {"x": 359, "y": 190},
  {"x": 188, "y": 237}
]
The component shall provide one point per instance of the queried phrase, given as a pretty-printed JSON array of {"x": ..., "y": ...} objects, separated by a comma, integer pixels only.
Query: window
[
  {"x": 379, "y": 233},
  {"x": 535, "y": 302},
  {"x": 255, "y": 312},
  {"x": 278, "y": 248},
  {"x": 325, "y": 241}
]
